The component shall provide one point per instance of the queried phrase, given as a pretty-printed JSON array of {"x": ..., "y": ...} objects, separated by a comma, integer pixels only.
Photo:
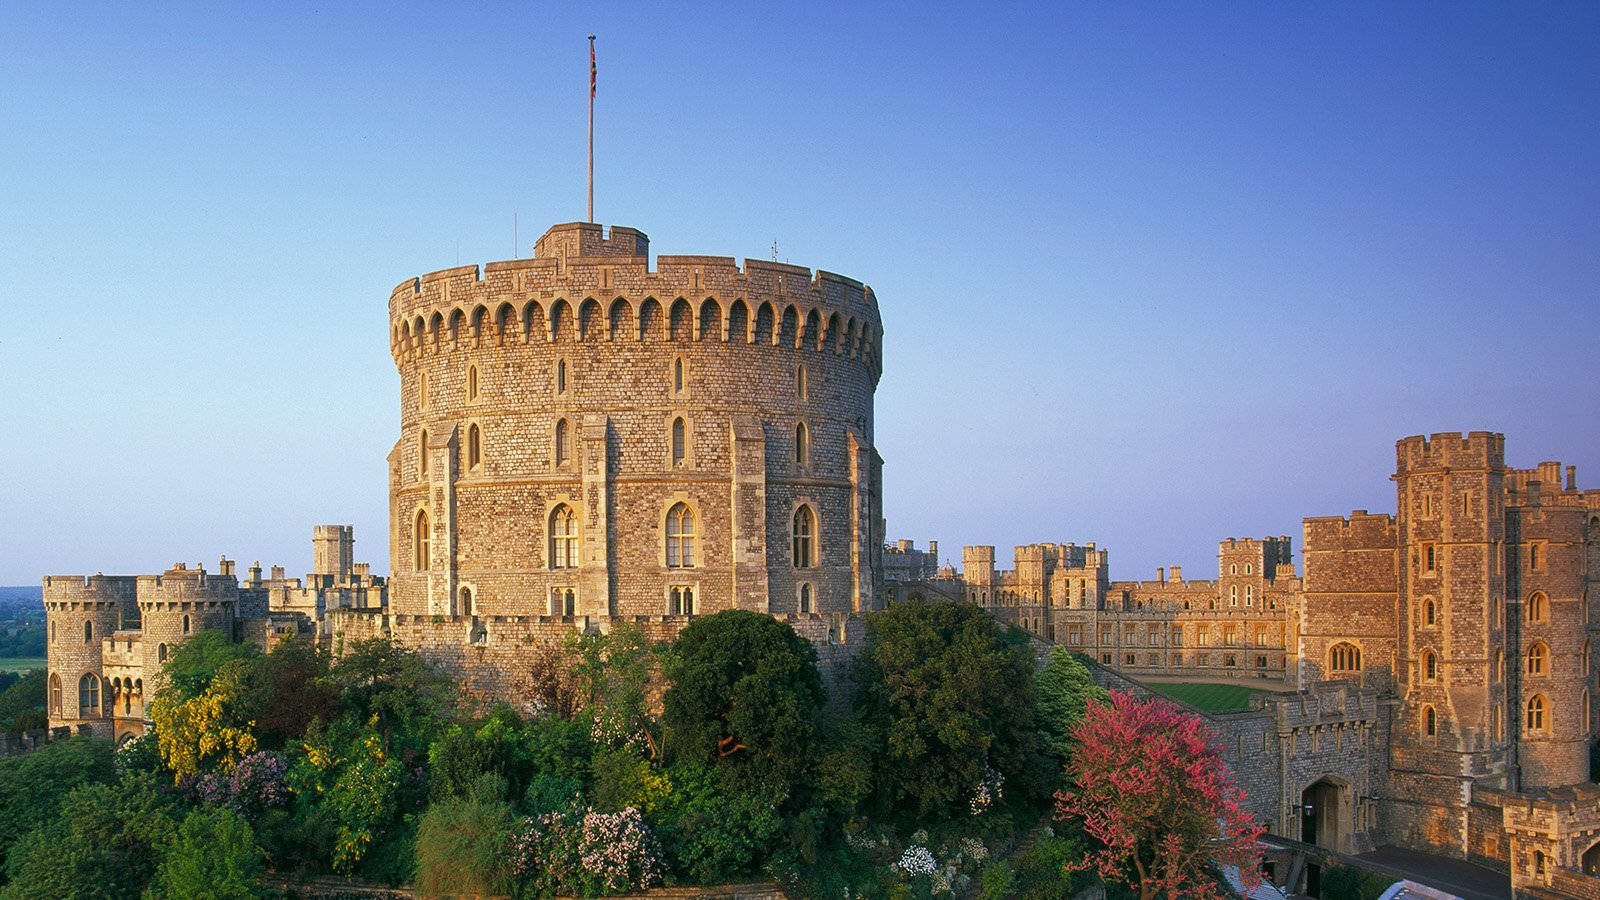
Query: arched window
[
  {"x": 679, "y": 441},
  {"x": 422, "y": 453},
  {"x": 52, "y": 632},
  {"x": 474, "y": 446},
  {"x": 88, "y": 631},
  {"x": 1430, "y": 721},
  {"x": 807, "y": 605},
  {"x": 802, "y": 445},
  {"x": 1499, "y": 665},
  {"x": 1344, "y": 658},
  {"x": 677, "y": 376},
  {"x": 1587, "y": 721},
  {"x": 1249, "y": 595},
  {"x": 466, "y": 602},
  {"x": 1538, "y": 654},
  {"x": 422, "y": 391},
  {"x": 185, "y": 624},
  {"x": 804, "y": 526},
  {"x": 800, "y": 382},
  {"x": 1233, "y": 569},
  {"x": 682, "y": 603},
  {"x": 680, "y": 537},
  {"x": 563, "y": 538},
  {"x": 1536, "y": 721},
  {"x": 161, "y": 653},
  {"x": 563, "y": 601},
  {"x": 1583, "y": 658},
  {"x": 1430, "y": 666},
  {"x": 421, "y": 541},
  {"x": 563, "y": 443},
  {"x": 561, "y": 376},
  {"x": 472, "y": 382},
  {"x": 1429, "y": 614},
  {"x": 1233, "y": 595},
  {"x": 1538, "y": 608},
  {"x": 88, "y": 695},
  {"x": 55, "y": 694}
]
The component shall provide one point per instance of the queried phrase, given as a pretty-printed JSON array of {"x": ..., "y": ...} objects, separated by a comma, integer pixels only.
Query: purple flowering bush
[
  {"x": 257, "y": 783},
  {"x": 587, "y": 853}
]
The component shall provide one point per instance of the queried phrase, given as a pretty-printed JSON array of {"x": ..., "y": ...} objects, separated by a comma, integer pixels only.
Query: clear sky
[{"x": 1150, "y": 276}]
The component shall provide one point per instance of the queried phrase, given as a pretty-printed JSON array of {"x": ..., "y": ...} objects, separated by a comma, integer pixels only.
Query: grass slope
[{"x": 1211, "y": 697}]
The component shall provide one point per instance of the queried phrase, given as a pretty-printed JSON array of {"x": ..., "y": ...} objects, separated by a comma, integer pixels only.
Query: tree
[
  {"x": 615, "y": 674},
  {"x": 382, "y": 679},
  {"x": 1148, "y": 784},
  {"x": 22, "y": 703},
  {"x": 461, "y": 848},
  {"x": 214, "y": 857},
  {"x": 195, "y": 662},
  {"x": 744, "y": 692},
  {"x": 1063, "y": 690},
  {"x": 289, "y": 689},
  {"x": 33, "y": 786},
  {"x": 106, "y": 842},
  {"x": 207, "y": 730},
  {"x": 950, "y": 699}
]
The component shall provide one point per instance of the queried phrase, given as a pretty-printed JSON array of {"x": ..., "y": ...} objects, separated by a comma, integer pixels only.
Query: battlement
[
  {"x": 1477, "y": 449},
  {"x": 181, "y": 584},
  {"x": 586, "y": 239},
  {"x": 1359, "y": 529},
  {"x": 89, "y": 588},
  {"x": 605, "y": 295}
]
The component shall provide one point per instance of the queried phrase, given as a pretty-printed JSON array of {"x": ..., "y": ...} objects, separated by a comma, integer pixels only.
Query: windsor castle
[{"x": 586, "y": 439}]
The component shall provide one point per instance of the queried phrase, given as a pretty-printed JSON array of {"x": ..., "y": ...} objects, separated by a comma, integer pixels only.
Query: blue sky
[{"x": 1151, "y": 275}]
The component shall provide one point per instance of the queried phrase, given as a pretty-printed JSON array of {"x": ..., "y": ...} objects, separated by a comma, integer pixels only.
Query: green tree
[
  {"x": 380, "y": 679},
  {"x": 743, "y": 693},
  {"x": 615, "y": 674},
  {"x": 207, "y": 730},
  {"x": 33, "y": 786},
  {"x": 106, "y": 842},
  {"x": 712, "y": 834},
  {"x": 213, "y": 857},
  {"x": 193, "y": 664},
  {"x": 289, "y": 689},
  {"x": 948, "y": 696},
  {"x": 461, "y": 848},
  {"x": 22, "y": 703},
  {"x": 1063, "y": 689}
]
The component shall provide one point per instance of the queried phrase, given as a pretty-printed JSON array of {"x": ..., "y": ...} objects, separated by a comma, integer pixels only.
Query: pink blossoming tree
[{"x": 1147, "y": 783}]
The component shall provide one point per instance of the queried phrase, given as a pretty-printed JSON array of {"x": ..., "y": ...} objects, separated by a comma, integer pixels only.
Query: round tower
[
  {"x": 177, "y": 604},
  {"x": 81, "y": 614},
  {"x": 583, "y": 435}
]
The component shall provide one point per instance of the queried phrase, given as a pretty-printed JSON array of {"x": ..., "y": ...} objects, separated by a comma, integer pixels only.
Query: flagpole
[{"x": 591, "y": 127}]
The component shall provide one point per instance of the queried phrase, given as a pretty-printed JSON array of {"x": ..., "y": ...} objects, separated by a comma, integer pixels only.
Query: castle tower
[
  {"x": 81, "y": 616},
  {"x": 583, "y": 436},
  {"x": 1451, "y": 727},
  {"x": 178, "y": 604},
  {"x": 333, "y": 551}
]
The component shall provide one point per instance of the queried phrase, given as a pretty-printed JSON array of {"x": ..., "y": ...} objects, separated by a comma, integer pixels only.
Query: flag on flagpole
[{"x": 593, "y": 71}]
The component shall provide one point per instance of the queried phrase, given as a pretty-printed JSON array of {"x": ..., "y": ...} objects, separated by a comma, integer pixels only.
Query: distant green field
[
  {"x": 1213, "y": 697},
  {"x": 21, "y": 664}
]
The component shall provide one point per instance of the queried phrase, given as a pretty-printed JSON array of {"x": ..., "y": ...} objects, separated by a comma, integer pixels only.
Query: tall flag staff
[{"x": 593, "y": 71}]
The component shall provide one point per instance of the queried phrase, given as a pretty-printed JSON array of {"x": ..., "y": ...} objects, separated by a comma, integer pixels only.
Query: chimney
[
  {"x": 1177, "y": 573},
  {"x": 1572, "y": 478},
  {"x": 1161, "y": 574}
]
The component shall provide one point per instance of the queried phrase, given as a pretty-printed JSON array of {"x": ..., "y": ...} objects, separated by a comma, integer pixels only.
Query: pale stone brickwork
[{"x": 1458, "y": 634}]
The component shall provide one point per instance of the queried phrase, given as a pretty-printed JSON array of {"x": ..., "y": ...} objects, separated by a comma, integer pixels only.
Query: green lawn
[
  {"x": 21, "y": 664},
  {"x": 1213, "y": 697}
]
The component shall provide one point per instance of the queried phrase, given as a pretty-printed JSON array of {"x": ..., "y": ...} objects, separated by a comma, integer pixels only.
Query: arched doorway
[
  {"x": 1325, "y": 816},
  {"x": 1590, "y": 862}
]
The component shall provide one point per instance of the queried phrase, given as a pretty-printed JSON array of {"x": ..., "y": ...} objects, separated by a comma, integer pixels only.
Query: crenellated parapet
[
  {"x": 590, "y": 291},
  {"x": 1451, "y": 450}
]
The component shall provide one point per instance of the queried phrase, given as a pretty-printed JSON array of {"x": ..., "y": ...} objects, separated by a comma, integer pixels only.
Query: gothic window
[
  {"x": 1583, "y": 659},
  {"x": 800, "y": 382},
  {"x": 472, "y": 383},
  {"x": 682, "y": 601},
  {"x": 1233, "y": 595},
  {"x": 1248, "y": 568},
  {"x": 680, "y": 537},
  {"x": 677, "y": 376},
  {"x": 1430, "y": 721},
  {"x": 802, "y": 445},
  {"x": 474, "y": 446},
  {"x": 563, "y": 601},
  {"x": 563, "y": 538},
  {"x": 1538, "y": 608},
  {"x": 422, "y": 453},
  {"x": 804, "y": 525},
  {"x": 1249, "y": 595},
  {"x": 1538, "y": 655},
  {"x": 161, "y": 653},
  {"x": 55, "y": 694},
  {"x": 1536, "y": 717},
  {"x": 1429, "y": 560},
  {"x": 421, "y": 538},
  {"x": 563, "y": 442},
  {"x": 679, "y": 441},
  {"x": 1499, "y": 665},
  {"x": 807, "y": 602},
  {"x": 1430, "y": 666},
  {"x": 185, "y": 624},
  {"x": 88, "y": 695},
  {"x": 1534, "y": 561},
  {"x": 466, "y": 602},
  {"x": 1429, "y": 614},
  {"x": 88, "y": 631},
  {"x": 561, "y": 376},
  {"x": 1233, "y": 569},
  {"x": 1499, "y": 724}
]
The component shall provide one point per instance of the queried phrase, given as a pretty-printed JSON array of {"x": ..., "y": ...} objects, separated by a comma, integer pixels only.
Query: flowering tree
[{"x": 1148, "y": 784}]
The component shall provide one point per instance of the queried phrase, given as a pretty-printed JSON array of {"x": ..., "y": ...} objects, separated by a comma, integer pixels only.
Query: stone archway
[
  {"x": 1589, "y": 863},
  {"x": 1326, "y": 816}
]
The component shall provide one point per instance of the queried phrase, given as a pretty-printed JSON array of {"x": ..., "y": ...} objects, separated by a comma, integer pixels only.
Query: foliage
[
  {"x": 623, "y": 778},
  {"x": 1041, "y": 872},
  {"x": 207, "y": 730},
  {"x": 258, "y": 783},
  {"x": 33, "y": 786},
  {"x": 587, "y": 853},
  {"x": 213, "y": 857},
  {"x": 1349, "y": 883},
  {"x": 1063, "y": 689},
  {"x": 393, "y": 685},
  {"x": 139, "y": 754},
  {"x": 461, "y": 848},
  {"x": 22, "y": 703},
  {"x": 615, "y": 674},
  {"x": 362, "y": 801},
  {"x": 714, "y": 834},
  {"x": 946, "y": 694},
  {"x": 743, "y": 692},
  {"x": 553, "y": 688},
  {"x": 106, "y": 842},
  {"x": 289, "y": 689},
  {"x": 22, "y": 643},
  {"x": 1150, "y": 788},
  {"x": 193, "y": 664}
]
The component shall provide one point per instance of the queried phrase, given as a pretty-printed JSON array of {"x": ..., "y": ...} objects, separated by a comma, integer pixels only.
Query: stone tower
[
  {"x": 333, "y": 551},
  {"x": 584, "y": 436}
]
